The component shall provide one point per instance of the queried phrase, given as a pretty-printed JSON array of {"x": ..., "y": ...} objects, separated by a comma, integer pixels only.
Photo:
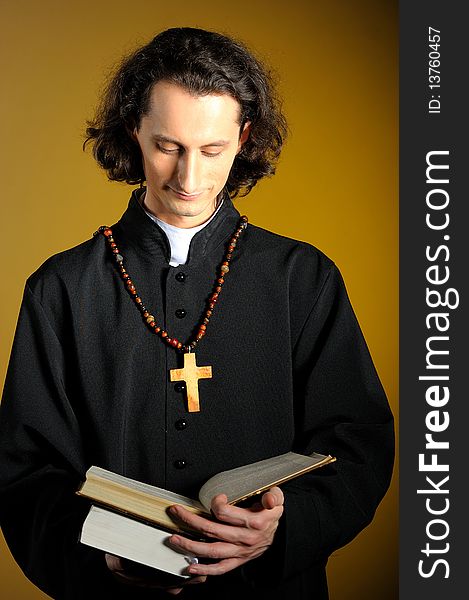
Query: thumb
[{"x": 274, "y": 497}]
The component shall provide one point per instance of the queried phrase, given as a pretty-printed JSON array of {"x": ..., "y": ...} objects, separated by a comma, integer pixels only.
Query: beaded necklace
[{"x": 190, "y": 373}]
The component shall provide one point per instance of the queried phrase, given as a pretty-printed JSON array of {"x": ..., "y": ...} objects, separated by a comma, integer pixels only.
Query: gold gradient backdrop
[{"x": 336, "y": 184}]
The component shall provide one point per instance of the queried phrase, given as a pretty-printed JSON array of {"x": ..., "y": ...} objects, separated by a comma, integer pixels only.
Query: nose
[{"x": 189, "y": 173}]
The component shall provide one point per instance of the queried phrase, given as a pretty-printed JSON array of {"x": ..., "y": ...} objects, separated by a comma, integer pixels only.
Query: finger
[
  {"x": 117, "y": 566},
  {"x": 229, "y": 514},
  {"x": 242, "y": 532},
  {"x": 219, "y": 568},
  {"x": 235, "y": 515},
  {"x": 114, "y": 563},
  {"x": 198, "y": 579},
  {"x": 213, "y": 550},
  {"x": 274, "y": 497}
]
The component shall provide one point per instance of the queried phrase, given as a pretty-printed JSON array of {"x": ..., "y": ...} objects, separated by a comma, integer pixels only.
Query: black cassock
[{"x": 88, "y": 384}]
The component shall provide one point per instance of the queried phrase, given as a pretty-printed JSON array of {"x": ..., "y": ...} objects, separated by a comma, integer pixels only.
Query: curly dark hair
[{"x": 203, "y": 62}]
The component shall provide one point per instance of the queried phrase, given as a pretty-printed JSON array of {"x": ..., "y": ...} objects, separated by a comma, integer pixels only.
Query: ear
[
  {"x": 132, "y": 131},
  {"x": 244, "y": 135}
]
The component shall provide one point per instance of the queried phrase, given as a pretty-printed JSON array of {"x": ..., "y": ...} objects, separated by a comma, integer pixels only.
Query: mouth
[{"x": 185, "y": 196}]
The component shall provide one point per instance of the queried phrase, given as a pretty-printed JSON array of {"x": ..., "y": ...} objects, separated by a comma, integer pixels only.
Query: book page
[
  {"x": 245, "y": 481},
  {"x": 132, "y": 497},
  {"x": 145, "y": 488},
  {"x": 136, "y": 541}
]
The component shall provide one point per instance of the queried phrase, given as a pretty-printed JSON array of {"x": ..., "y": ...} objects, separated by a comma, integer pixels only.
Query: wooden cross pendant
[{"x": 191, "y": 374}]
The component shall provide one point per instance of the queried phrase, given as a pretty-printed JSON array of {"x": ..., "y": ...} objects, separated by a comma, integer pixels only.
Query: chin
[
  {"x": 188, "y": 211},
  {"x": 191, "y": 208}
]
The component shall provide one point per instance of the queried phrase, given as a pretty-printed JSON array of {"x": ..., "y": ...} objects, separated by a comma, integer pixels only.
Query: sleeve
[
  {"x": 342, "y": 410},
  {"x": 41, "y": 464}
]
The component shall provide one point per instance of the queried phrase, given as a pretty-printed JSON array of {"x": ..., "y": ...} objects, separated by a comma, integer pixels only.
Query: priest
[{"x": 182, "y": 341}]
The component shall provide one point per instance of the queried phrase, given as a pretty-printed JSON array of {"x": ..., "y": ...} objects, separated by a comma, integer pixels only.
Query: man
[{"x": 104, "y": 325}]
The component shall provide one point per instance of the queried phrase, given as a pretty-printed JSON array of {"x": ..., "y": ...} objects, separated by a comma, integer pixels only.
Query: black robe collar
[{"x": 145, "y": 235}]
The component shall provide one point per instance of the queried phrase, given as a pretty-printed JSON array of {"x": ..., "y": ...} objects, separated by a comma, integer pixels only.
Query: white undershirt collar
[{"x": 179, "y": 238}]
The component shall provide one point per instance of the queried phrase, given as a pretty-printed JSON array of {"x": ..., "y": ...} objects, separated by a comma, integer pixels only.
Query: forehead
[{"x": 174, "y": 112}]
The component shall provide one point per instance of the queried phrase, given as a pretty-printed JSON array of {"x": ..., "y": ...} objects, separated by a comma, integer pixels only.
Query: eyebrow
[{"x": 163, "y": 138}]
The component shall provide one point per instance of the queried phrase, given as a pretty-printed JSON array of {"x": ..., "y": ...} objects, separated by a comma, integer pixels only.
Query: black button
[
  {"x": 180, "y": 424},
  {"x": 180, "y": 313},
  {"x": 180, "y": 386},
  {"x": 180, "y": 276},
  {"x": 180, "y": 464}
]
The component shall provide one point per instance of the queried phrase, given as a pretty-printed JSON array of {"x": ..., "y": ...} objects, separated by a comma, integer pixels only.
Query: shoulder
[
  {"x": 304, "y": 274},
  {"x": 290, "y": 255},
  {"x": 65, "y": 269}
]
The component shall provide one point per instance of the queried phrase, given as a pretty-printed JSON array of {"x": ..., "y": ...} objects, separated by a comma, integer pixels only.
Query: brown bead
[{"x": 212, "y": 300}]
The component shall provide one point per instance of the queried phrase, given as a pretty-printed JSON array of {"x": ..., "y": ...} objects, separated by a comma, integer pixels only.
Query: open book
[
  {"x": 150, "y": 504},
  {"x": 130, "y": 519}
]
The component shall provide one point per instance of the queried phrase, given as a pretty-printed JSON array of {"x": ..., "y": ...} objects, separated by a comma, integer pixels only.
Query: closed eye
[
  {"x": 179, "y": 150},
  {"x": 168, "y": 150}
]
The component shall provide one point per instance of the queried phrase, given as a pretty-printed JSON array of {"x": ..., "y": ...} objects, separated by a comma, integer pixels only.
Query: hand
[
  {"x": 130, "y": 573},
  {"x": 241, "y": 533}
]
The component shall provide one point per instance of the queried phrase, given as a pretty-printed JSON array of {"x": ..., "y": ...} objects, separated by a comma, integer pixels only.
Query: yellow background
[{"x": 336, "y": 184}]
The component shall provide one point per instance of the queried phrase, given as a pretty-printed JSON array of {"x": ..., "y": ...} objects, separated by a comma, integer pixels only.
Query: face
[{"x": 188, "y": 146}]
